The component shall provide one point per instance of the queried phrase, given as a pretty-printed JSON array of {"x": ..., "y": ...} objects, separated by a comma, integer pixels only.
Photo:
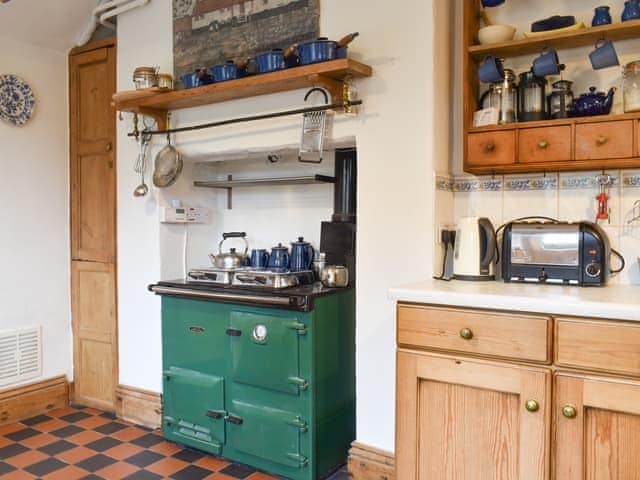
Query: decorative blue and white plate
[{"x": 16, "y": 100}]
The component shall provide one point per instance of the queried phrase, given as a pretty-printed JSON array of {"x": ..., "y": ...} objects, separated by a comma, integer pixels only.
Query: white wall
[
  {"x": 34, "y": 244},
  {"x": 395, "y": 141}
]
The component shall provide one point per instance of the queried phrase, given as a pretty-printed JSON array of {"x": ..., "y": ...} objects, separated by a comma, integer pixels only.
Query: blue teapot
[
  {"x": 593, "y": 103},
  {"x": 301, "y": 255},
  {"x": 631, "y": 10}
]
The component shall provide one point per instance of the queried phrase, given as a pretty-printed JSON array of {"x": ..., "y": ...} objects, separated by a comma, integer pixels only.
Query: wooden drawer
[
  {"x": 491, "y": 148},
  {"x": 598, "y": 345},
  {"x": 496, "y": 334},
  {"x": 547, "y": 144},
  {"x": 604, "y": 140}
]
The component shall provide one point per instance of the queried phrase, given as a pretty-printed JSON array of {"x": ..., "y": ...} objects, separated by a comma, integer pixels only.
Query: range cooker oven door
[
  {"x": 265, "y": 350},
  {"x": 269, "y": 433},
  {"x": 194, "y": 409}
]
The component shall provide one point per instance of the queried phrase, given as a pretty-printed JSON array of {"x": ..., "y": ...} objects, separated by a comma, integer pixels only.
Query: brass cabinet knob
[
  {"x": 490, "y": 147},
  {"x": 543, "y": 144},
  {"x": 569, "y": 411},
  {"x": 601, "y": 140},
  {"x": 108, "y": 147},
  {"x": 532, "y": 405},
  {"x": 466, "y": 333}
]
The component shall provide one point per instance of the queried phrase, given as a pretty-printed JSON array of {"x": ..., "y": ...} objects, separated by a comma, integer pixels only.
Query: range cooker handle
[
  {"x": 233, "y": 419},
  {"x": 233, "y": 332},
  {"x": 216, "y": 414}
]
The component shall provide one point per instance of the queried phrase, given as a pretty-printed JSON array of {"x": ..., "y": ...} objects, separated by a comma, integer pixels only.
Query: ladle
[{"x": 142, "y": 189}]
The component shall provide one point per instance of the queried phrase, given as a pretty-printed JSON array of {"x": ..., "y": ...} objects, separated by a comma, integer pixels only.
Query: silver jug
[{"x": 503, "y": 96}]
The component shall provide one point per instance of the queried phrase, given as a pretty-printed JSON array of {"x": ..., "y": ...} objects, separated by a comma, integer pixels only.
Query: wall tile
[
  {"x": 613, "y": 232},
  {"x": 480, "y": 203},
  {"x": 530, "y": 196},
  {"x": 577, "y": 197},
  {"x": 630, "y": 194},
  {"x": 629, "y": 247}
]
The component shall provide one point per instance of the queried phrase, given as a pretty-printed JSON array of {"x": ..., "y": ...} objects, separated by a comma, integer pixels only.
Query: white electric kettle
[{"x": 475, "y": 249}]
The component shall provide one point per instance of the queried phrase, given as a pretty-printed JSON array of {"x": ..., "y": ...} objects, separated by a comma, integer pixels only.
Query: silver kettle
[
  {"x": 475, "y": 249},
  {"x": 231, "y": 259}
]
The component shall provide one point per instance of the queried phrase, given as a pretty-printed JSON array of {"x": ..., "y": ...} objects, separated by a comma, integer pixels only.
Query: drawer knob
[
  {"x": 466, "y": 333},
  {"x": 532, "y": 405},
  {"x": 569, "y": 411},
  {"x": 490, "y": 147},
  {"x": 602, "y": 140},
  {"x": 543, "y": 144}
]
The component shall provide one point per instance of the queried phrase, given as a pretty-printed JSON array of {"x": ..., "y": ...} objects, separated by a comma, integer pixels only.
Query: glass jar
[
  {"x": 631, "y": 86},
  {"x": 533, "y": 100}
]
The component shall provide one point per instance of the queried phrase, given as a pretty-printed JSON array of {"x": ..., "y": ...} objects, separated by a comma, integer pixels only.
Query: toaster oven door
[{"x": 553, "y": 244}]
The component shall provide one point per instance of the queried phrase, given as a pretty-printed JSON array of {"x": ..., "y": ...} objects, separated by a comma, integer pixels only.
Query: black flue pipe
[{"x": 344, "y": 192}]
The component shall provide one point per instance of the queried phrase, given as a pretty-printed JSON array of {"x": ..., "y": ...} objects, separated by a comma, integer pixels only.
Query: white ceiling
[{"x": 52, "y": 24}]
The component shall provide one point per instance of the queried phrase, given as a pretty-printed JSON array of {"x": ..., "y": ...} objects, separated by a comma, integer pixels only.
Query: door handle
[
  {"x": 216, "y": 414},
  {"x": 233, "y": 332},
  {"x": 300, "y": 382},
  {"x": 233, "y": 419}
]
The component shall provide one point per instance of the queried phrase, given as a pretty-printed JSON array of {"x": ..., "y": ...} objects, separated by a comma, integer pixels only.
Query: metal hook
[{"x": 318, "y": 89}]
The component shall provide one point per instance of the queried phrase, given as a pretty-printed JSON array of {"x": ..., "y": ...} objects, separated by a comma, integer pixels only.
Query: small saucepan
[
  {"x": 196, "y": 79},
  {"x": 323, "y": 49},
  {"x": 276, "y": 59}
]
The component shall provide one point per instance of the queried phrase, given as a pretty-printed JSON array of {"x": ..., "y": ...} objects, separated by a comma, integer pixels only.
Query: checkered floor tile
[{"x": 83, "y": 443}]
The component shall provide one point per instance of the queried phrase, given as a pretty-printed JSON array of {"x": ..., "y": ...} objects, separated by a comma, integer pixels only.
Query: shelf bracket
[
  {"x": 335, "y": 87},
  {"x": 160, "y": 116}
]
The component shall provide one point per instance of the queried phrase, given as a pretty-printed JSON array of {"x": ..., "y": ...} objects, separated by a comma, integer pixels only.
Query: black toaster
[{"x": 556, "y": 252}]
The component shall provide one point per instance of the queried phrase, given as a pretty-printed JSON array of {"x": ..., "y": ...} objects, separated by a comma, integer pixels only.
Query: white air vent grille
[{"x": 20, "y": 355}]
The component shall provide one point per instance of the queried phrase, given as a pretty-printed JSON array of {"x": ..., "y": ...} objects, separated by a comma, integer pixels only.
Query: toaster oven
[{"x": 559, "y": 252}]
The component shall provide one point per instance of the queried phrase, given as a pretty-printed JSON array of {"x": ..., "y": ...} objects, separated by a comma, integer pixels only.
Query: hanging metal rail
[{"x": 334, "y": 106}]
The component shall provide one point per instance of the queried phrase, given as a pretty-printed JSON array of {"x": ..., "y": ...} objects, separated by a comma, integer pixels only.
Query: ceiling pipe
[{"x": 105, "y": 10}]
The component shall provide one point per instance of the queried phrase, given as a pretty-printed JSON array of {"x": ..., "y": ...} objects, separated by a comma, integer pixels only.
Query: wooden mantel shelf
[{"x": 326, "y": 74}]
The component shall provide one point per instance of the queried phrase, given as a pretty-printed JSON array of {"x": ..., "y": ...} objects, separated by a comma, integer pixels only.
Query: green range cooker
[{"x": 261, "y": 377}]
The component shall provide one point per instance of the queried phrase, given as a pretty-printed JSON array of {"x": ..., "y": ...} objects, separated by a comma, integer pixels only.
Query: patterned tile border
[{"x": 499, "y": 183}]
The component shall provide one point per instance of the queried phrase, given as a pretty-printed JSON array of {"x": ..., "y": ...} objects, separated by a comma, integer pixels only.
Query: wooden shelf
[
  {"x": 578, "y": 38},
  {"x": 326, "y": 74},
  {"x": 557, "y": 122},
  {"x": 259, "y": 182}
]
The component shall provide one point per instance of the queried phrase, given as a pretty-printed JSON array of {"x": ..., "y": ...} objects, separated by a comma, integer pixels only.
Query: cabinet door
[
  {"x": 491, "y": 148},
  {"x": 547, "y": 144},
  {"x": 596, "y": 141},
  {"x": 465, "y": 419},
  {"x": 597, "y": 427},
  {"x": 92, "y": 151}
]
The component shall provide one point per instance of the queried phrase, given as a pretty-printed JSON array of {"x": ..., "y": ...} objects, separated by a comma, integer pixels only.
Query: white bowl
[{"x": 496, "y": 34}]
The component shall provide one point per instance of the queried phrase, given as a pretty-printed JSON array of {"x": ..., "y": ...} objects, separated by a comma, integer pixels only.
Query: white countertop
[{"x": 613, "y": 301}]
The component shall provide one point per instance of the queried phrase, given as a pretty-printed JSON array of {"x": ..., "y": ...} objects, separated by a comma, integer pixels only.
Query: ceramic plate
[{"x": 16, "y": 100}]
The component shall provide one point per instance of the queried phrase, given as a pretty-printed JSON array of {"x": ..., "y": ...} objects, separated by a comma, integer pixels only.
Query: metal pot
[
  {"x": 334, "y": 276},
  {"x": 323, "y": 49},
  {"x": 225, "y": 71},
  {"x": 230, "y": 259}
]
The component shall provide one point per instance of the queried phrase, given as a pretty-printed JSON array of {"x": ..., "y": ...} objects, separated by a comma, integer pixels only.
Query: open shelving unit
[{"x": 331, "y": 75}]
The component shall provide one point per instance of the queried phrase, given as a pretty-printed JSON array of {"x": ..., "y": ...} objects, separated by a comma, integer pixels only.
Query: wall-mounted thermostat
[{"x": 184, "y": 215}]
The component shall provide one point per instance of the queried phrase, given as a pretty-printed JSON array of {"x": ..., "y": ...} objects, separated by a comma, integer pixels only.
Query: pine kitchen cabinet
[{"x": 503, "y": 393}]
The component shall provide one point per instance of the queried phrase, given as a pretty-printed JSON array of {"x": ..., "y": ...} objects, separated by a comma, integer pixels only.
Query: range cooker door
[
  {"x": 265, "y": 350},
  {"x": 194, "y": 408},
  {"x": 268, "y": 433}
]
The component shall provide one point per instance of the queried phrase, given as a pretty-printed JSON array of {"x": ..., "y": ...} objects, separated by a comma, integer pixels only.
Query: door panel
[
  {"x": 94, "y": 326},
  {"x": 194, "y": 408},
  {"x": 271, "y": 362},
  {"x": 597, "y": 426},
  {"x": 92, "y": 127},
  {"x": 268, "y": 433},
  {"x": 463, "y": 419}
]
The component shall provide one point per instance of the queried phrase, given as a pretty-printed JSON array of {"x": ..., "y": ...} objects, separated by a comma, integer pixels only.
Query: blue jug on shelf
[
  {"x": 601, "y": 16},
  {"x": 631, "y": 10},
  {"x": 279, "y": 259},
  {"x": 301, "y": 255}
]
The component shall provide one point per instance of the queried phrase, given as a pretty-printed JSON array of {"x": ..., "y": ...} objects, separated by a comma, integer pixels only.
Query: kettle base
[{"x": 474, "y": 278}]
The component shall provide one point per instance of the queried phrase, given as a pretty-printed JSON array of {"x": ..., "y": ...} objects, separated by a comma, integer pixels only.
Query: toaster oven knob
[
  {"x": 543, "y": 277},
  {"x": 593, "y": 269}
]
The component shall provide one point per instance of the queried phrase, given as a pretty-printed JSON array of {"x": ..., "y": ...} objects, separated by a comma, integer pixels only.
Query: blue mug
[
  {"x": 279, "y": 259},
  {"x": 604, "y": 55},
  {"x": 547, "y": 63},
  {"x": 601, "y": 16},
  {"x": 491, "y": 70},
  {"x": 259, "y": 258},
  {"x": 631, "y": 10},
  {"x": 301, "y": 255}
]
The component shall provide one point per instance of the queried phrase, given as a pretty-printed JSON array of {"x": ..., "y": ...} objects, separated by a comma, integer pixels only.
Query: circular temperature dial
[
  {"x": 593, "y": 269},
  {"x": 259, "y": 333}
]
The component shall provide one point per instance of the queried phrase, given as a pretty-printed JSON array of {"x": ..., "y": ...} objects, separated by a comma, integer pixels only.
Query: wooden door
[
  {"x": 462, "y": 419},
  {"x": 93, "y": 174},
  {"x": 95, "y": 334},
  {"x": 597, "y": 428},
  {"x": 93, "y": 224}
]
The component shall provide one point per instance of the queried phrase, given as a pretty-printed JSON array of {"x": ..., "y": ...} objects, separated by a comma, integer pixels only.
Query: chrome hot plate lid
[{"x": 250, "y": 277}]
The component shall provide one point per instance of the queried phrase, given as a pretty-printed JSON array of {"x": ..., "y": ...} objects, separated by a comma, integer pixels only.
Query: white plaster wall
[
  {"x": 395, "y": 141},
  {"x": 34, "y": 244}
]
